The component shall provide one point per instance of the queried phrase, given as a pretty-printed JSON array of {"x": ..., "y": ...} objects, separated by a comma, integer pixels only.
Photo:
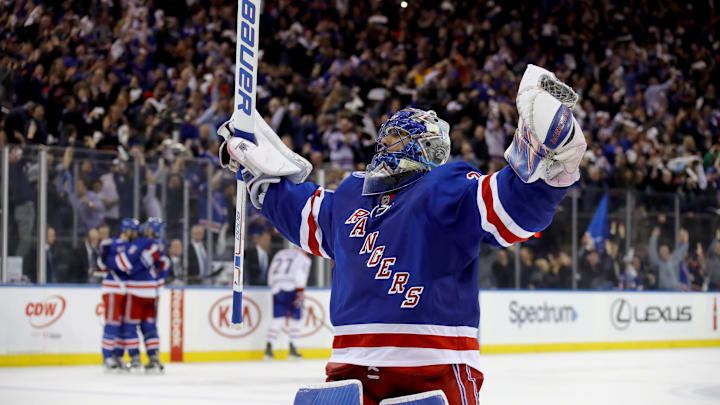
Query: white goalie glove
[
  {"x": 262, "y": 156},
  {"x": 548, "y": 143}
]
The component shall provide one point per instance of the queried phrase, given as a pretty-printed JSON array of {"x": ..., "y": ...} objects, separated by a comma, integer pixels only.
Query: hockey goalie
[{"x": 405, "y": 237}]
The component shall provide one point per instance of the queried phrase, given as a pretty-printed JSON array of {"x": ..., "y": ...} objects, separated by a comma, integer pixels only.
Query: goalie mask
[{"x": 409, "y": 144}]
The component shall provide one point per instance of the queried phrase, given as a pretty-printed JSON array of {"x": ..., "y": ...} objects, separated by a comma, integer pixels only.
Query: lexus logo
[{"x": 622, "y": 314}]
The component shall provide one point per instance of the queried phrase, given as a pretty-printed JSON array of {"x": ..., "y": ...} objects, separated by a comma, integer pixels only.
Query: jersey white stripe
[
  {"x": 503, "y": 215},
  {"x": 304, "y": 228},
  {"x": 316, "y": 217},
  {"x": 122, "y": 262},
  {"x": 315, "y": 202},
  {"x": 475, "y": 388},
  {"x": 404, "y": 328},
  {"x": 459, "y": 383},
  {"x": 404, "y": 356},
  {"x": 484, "y": 223}
]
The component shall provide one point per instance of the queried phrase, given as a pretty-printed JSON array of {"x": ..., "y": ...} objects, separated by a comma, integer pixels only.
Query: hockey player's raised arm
[
  {"x": 544, "y": 157},
  {"x": 509, "y": 206},
  {"x": 511, "y": 210},
  {"x": 299, "y": 210}
]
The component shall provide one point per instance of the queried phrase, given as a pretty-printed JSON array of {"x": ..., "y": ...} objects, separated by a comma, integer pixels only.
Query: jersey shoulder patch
[{"x": 359, "y": 175}]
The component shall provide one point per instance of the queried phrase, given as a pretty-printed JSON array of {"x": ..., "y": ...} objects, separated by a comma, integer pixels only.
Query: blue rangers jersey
[
  {"x": 405, "y": 285},
  {"x": 113, "y": 259},
  {"x": 149, "y": 265}
]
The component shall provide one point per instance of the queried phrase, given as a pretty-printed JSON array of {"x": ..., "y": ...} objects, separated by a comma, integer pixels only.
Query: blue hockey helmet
[
  {"x": 411, "y": 143},
  {"x": 156, "y": 225},
  {"x": 129, "y": 224}
]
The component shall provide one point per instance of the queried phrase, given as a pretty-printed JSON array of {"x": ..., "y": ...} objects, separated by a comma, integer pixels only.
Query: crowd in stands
[{"x": 155, "y": 78}]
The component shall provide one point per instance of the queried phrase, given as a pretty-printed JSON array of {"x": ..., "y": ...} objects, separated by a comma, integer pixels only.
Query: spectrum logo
[{"x": 521, "y": 314}]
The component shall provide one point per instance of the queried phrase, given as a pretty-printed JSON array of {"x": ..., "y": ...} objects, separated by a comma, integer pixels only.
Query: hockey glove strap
[{"x": 257, "y": 186}]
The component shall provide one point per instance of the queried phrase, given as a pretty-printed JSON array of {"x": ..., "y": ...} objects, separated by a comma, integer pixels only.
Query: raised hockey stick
[{"x": 246, "y": 64}]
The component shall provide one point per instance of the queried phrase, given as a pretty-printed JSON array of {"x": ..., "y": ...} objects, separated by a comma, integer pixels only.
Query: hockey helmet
[
  {"x": 411, "y": 143},
  {"x": 156, "y": 225},
  {"x": 131, "y": 224}
]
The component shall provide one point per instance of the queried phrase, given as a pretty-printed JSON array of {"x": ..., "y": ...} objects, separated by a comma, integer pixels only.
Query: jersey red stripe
[
  {"x": 313, "y": 243},
  {"x": 406, "y": 340},
  {"x": 492, "y": 216},
  {"x": 125, "y": 265}
]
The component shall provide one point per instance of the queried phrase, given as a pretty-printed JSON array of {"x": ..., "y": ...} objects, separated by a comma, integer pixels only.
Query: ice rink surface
[{"x": 679, "y": 376}]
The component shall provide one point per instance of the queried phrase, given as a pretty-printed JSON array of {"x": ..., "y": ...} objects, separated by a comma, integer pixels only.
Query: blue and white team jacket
[
  {"x": 113, "y": 259},
  {"x": 405, "y": 285}
]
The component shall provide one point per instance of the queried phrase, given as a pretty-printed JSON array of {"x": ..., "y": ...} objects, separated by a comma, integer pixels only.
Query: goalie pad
[
  {"x": 548, "y": 143},
  {"x": 436, "y": 397},
  {"x": 263, "y": 153},
  {"x": 346, "y": 392}
]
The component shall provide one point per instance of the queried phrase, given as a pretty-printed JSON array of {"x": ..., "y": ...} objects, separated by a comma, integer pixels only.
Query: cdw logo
[
  {"x": 46, "y": 312},
  {"x": 221, "y": 311}
]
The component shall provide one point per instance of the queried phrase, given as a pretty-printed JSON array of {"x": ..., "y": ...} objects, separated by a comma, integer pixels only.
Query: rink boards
[{"x": 63, "y": 324}]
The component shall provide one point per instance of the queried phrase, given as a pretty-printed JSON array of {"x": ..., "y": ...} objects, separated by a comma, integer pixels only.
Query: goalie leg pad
[
  {"x": 435, "y": 397},
  {"x": 346, "y": 392}
]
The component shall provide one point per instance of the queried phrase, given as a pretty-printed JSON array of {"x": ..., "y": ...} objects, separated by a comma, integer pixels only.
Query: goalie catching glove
[
  {"x": 548, "y": 143},
  {"x": 262, "y": 157}
]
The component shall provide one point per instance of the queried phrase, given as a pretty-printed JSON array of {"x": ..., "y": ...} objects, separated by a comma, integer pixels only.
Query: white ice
[{"x": 678, "y": 376}]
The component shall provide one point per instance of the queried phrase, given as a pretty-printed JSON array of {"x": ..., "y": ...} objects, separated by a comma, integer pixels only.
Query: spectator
[
  {"x": 88, "y": 206},
  {"x": 110, "y": 198},
  {"x": 83, "y": 262},
  {"x": 52, "y": 259},
  {"x": 103, "y": 232},
  {"x": 528, "y": 268},
  {"x": 560, "y": 274},
  {"x": 340, "y": 142},
  {"x": 504, "y": 269},
  {"x": 198, "y": 266},
  {"x": 712, "y": 265},
  {"x": 257, "y": 254},
  {"x": 666, "y": 264},
  {"x": 175, "y": 252},
  {"x": 36, "y": 130},
  {"x": 488, "y": 256},
  {"x": 21, "y": 200}
]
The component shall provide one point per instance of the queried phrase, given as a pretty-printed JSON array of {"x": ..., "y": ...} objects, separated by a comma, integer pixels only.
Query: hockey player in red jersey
[{"x": 406, "y": 233}]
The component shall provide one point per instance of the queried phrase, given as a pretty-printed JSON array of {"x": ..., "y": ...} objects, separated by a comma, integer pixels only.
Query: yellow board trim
[
  {"x": 590, "y": 346},
  {"x": 63, "y": 359},
  {"x": 76, "y": 359}
]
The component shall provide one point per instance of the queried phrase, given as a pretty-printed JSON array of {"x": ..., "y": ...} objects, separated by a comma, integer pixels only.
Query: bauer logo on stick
[{"x": 246, "y": 57}]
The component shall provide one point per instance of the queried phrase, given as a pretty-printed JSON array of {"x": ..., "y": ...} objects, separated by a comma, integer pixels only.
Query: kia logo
[
  {"x": 46, "y": 312},
  {"x": 220, "y": 314},
  {"x": 313, "y": 318},
  {"x": 622, "y": 314}
]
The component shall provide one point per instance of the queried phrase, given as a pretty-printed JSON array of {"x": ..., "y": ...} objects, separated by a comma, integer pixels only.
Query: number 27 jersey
[{"x": 405, "y": 284}]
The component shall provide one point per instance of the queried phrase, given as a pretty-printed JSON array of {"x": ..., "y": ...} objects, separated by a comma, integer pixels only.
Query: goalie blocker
[{"x": 262, "y": 157}]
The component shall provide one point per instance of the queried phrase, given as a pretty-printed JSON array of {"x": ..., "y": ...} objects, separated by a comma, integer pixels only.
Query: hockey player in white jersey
[
  {"x": 287, "y": 277},
  {"x": 406, "y": 234}
]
